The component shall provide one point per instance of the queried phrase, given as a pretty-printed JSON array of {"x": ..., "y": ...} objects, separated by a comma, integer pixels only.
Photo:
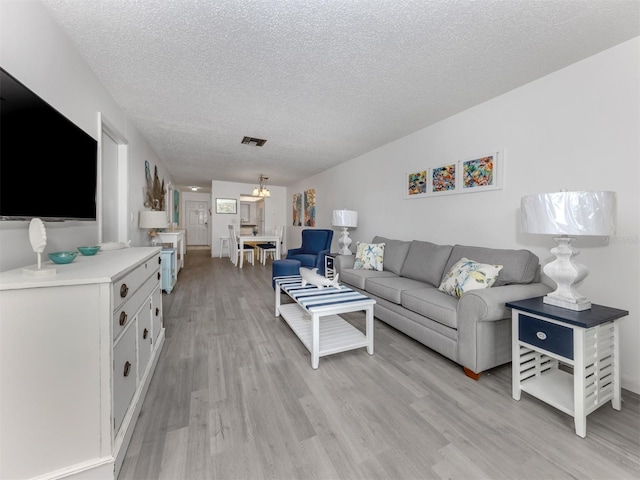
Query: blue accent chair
[{"x": 316, "y": 243}]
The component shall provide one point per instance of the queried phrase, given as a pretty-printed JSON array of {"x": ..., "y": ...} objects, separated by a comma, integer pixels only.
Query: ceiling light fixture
[
  {"x": 257, "y": 142},
  {"x": 261, "y": 190}
]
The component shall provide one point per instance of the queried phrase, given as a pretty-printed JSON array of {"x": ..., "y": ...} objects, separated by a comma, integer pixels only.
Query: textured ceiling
[{"x": 322, "y": 80}]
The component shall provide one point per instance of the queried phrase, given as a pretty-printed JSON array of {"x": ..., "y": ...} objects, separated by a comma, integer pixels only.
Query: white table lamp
[
  {"x": 153, "y": 220},
  {"x": 345, "y": 219},
  {"x": 568, "y": 214}
]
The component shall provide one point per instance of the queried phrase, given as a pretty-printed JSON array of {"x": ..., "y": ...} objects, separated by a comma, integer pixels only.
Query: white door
[{"x": 197, "y": 214}]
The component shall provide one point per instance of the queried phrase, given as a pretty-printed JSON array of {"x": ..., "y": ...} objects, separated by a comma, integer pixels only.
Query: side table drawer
[{"x": 546, "y": 335}]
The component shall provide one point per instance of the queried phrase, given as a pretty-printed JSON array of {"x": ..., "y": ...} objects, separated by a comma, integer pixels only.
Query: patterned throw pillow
[
  {"x": 369, "y": 256},
  {"x": 466, "y": 275}
]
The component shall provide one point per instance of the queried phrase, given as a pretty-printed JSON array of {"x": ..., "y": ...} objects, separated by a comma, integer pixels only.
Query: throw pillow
[
  {"x": 466, "y": 275},
  {"x": 369, "y": 256}
]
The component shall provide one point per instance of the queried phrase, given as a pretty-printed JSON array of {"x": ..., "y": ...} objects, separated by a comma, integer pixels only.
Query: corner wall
[{"x": 575, "y": 129}]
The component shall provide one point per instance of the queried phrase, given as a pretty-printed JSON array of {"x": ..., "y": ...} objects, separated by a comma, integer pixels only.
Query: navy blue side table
[{"x": 545, "y": 336}]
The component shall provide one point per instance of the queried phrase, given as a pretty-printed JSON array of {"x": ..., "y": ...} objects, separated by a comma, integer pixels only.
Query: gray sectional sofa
[{"x": 473, "y": 330}]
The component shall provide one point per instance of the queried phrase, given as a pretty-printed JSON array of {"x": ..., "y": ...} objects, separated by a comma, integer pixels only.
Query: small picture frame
[
  {"x": 481, "y": 173},
  {"x": 443, "y": 180},
  {"x": 227, "y": 206},
  {"x": 415, "y": 184}
]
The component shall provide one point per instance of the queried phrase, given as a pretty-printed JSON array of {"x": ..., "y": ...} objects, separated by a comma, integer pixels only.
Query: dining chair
[
  {"x": 234, "y": 248},
  {"x": 270, "y": 248}
]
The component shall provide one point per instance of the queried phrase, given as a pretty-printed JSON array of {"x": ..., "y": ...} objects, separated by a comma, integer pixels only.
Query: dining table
[{"x": 242, "y": 239}]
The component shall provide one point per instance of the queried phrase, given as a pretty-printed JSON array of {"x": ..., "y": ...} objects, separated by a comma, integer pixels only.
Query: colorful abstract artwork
[
  {"x": 443, "y": 179},
  {"x": 296, "y": 211},
  {"x": 310, "y": 208},
  {"x": 478, "y": 172},
  {"x": 416, "y": 184}
]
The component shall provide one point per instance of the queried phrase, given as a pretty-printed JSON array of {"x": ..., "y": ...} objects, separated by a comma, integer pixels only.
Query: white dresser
[{"x": 77, "y": 353}]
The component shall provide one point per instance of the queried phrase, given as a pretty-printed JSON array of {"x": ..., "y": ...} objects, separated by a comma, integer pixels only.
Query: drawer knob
[
  {"x": 157, "y": 311},
  {"x": 124, "y": 290},
  {"x": 123, "y": 318},
  {"x": 145, "y": 334},
  {"x": 158, "y": 275},
  {"x": 541, "y": 335},
  {"x": 127, "y": 369},
  {"x": 159, "y": 260}
]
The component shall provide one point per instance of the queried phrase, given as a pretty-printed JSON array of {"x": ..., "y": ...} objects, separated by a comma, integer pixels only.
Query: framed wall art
[
  {"x": 227, "y": 205},
  {"x": 443, "y": 180},
  {"x": 481, "y": 173},
  {"x": 310, "y": 207},
  {"x": 296, "y": 209},
  {"x": 415, "y": 184}
]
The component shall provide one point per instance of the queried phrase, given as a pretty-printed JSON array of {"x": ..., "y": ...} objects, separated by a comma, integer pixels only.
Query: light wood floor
[{"x": 234, "y": 397}]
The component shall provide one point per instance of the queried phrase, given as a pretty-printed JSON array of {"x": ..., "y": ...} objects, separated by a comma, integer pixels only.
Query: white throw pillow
[
  {"x": 468, "y": 275},
  {"x": 369, "y": 256}
]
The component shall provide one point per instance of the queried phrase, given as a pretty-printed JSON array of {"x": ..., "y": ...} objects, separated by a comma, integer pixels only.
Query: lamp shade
[
  {"x": 569, "y": 213},
  {"x": 345, "y": 218},
  {"x": 153, "y": 219}
]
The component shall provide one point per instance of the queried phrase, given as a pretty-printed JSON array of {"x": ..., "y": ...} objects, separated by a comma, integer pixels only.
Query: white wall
[
  {"x": 274, "y": 210},
  {"x": 576, "y": 129},
  {"x": 40, "y": 55}
]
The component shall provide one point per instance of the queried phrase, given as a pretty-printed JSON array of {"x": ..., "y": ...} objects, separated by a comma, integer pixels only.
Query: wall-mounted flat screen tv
[{"x": 48, "y": 165}]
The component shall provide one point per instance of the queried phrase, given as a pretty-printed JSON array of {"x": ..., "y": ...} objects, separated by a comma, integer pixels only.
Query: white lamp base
[
  {"x": 566, "y": 273},
  {"x": 344, "y": 242}
]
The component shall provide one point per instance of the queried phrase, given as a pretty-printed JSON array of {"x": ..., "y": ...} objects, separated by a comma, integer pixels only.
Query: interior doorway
[
  {"x": 197, "y": 222},
  {"x": 112, "y": 197}
]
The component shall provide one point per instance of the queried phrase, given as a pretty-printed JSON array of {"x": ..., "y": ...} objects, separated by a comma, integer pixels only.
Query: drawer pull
[
  {"x": 123, "y": 318},
  {"x": 124, "y": 290},
  {"x": 145, "y": 334},
  {"x": 541, "y": 335},
  {"x": 159, "y": 260},
  {"x": 127, "y": 369},
  {"x": 157, "y": 311},
  {"x": 158, "y": 275}
]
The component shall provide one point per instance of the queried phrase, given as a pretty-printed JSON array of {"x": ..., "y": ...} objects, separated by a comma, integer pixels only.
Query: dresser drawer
[
  {"x": 546, "y": 335},
  {"x": 126, "y": 311},
  {"x": 125, "y": 287}
]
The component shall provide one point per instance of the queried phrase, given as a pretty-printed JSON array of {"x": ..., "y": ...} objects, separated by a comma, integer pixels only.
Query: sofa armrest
[
  {"x": 344, "y": 261},
  {"x": 484, "y": 324},
  {"x": 294, "y": 251},
  {"x": 488, "y": 304}
]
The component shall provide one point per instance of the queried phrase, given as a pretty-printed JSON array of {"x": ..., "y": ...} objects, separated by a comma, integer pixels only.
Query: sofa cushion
[
  {"x": 467, "y": 275},
  {"x": 391, "y": 288},
  {"x": 395, "y": 253},
  {"x": 433, "y": 304},
  {"x": 357, "y": 278},
  {"x": 369, "y": 256},
  {"x": 518, "y": 266},
  {"x": 426, "y": 261}
]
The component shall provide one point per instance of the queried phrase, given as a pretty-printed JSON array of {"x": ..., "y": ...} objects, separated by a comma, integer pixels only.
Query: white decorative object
[
  {"x": 345, "y": 219},
  {"x": 38, "y": 239},
  {"x": 565, "y": 214},
  {"x": 310, "y": 276}
]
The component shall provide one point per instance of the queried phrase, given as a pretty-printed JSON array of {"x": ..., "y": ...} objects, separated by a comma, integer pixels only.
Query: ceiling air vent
[{"x": 256, "y": 142}]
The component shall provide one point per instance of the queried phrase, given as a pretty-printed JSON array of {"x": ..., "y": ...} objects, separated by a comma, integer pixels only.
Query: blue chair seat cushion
[{"x": 305, "y": 259}]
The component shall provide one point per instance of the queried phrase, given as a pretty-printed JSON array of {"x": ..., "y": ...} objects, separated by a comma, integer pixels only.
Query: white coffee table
[{"x": 314, "y": 317}]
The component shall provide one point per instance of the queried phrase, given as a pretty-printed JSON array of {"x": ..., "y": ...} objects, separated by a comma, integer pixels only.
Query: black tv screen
[{"x": 48, "y": 165}]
